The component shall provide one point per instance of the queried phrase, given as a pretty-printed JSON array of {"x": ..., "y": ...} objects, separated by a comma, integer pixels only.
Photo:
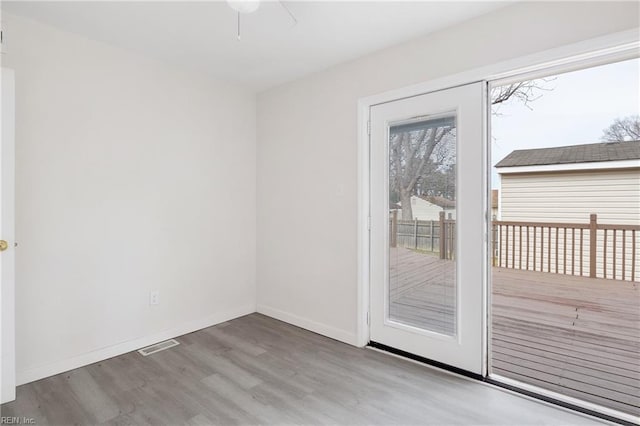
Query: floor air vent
[{"x": 158, "y": 347}]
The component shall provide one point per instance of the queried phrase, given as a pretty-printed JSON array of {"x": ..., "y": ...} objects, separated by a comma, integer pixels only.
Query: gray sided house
[
  {"x": 567, "y": 184},
  {"x": 546, "y": 202}
]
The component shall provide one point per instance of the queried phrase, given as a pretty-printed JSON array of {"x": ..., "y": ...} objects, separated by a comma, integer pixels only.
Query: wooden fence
[
  {"x": 426, "y": 235},
  {"x": 560, "y": 248}
]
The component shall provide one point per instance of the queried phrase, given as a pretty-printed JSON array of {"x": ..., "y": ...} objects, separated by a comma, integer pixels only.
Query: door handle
[{"x": 3, "y": 245}]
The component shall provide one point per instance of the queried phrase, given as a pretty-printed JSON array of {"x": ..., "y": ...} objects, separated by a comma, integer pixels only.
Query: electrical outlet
[{"x": 154, "y": 298}]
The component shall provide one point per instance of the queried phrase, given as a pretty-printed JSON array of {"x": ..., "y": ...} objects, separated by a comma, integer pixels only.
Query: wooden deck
[{"x": 575, "y": 335}]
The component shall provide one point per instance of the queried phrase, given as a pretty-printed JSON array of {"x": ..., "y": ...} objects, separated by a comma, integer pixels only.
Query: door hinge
[
  {"x": 3, "y": 45},
  {"x": 368, "y": 127},
  {"x": 368, "y": 320},
  {"x": 368, "y": 223}
]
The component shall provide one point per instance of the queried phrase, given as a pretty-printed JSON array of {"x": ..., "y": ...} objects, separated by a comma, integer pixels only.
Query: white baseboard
[
  {"x": 51, "y": 369},
  {"x": 307, "y": 324}
]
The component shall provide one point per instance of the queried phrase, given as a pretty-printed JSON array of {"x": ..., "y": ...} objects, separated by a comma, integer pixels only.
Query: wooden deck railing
[
  {"x": 560, "y": 248},
  {"x": 584, "y": 249}
]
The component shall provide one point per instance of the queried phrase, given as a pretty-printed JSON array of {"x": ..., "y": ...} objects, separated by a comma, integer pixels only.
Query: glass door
[
  {"x": 428, "y": 226},
  {"x": 565, "y": 240}
]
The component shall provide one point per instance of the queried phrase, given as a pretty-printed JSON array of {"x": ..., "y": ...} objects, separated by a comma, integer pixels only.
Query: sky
[{"x": 579, "y": 106}]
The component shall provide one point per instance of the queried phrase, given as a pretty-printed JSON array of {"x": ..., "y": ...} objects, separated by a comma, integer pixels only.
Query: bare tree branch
[
  {"x": 426, "y": 157},
  {"x": 523, "y": 91},
  {"x": 623, "y": 129}
]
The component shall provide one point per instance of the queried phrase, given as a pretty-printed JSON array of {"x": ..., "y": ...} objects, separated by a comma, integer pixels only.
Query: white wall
[
  {"x": 307, "y": 149},
  {"x": 126, "y": 171}
]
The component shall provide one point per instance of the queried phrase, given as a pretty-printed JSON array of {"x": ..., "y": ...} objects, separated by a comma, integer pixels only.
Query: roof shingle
[{"x": 605, "y": 151}]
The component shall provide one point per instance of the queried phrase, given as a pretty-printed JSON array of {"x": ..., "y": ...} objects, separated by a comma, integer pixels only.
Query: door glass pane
[
  {"x": 566, "y": 234},
  {"x": 422, "y": 213}
]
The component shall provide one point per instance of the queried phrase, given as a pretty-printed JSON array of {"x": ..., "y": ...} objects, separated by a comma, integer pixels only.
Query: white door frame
[
  {"x": 7, "y": 290},
  {"x": 614, "y": 47}
]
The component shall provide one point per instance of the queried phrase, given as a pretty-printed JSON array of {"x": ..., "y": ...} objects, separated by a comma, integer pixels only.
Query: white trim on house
[{"x": 593, "y": 165}]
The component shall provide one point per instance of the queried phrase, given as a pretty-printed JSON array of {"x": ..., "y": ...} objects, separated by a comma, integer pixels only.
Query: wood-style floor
[
  {"x": 257, "y": 370},
  {"x": 574, "y": 335}
]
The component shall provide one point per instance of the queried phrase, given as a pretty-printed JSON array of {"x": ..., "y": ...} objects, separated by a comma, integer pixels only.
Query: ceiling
[{"x": 201, "y": 35}]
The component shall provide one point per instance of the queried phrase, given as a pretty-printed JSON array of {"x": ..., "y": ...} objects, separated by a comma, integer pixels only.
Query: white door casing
[{"x": 7, "y": 233}]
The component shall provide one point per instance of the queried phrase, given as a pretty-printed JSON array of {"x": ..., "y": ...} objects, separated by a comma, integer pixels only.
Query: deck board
[{"x": 574, "y": 335}]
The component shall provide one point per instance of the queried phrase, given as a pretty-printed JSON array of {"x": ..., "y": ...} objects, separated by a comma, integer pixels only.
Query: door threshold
[
  {"x": 555, "y": 398},
  {"x": 427, "y": 361},
  {"x": 515, "y": 387}
]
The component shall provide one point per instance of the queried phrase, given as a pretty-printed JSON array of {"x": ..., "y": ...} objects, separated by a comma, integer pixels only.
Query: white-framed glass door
[{"x": 428, "y": 225}]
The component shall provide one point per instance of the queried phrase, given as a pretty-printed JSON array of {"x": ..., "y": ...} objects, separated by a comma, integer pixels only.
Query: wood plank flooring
[
  {"x": 257, "y": 370},
  {"x": 574, "y": 335}
]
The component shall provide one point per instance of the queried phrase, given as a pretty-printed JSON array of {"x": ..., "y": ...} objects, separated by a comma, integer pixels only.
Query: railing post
[
  {"x": 493, "y": 242},
  {"x": 415, "y": 233},
  {"x": 443, "y": 237},
  {"x": 593, "y": 238},
  {"x": 394, "y": 229}
]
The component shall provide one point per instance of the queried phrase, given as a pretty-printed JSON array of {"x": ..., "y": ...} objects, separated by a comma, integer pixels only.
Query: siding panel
[{"x": 614, "y": 195}]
